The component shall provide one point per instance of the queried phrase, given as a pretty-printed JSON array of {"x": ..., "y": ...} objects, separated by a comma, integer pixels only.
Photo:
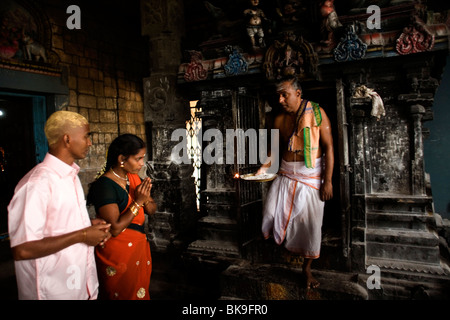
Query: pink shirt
[{"x": 49, "y": 201}]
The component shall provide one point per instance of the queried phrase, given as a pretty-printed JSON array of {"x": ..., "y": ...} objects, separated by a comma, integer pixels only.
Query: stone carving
[
  {"x": 350, "y": 47},
  {"x": 288, "y": 56},
  {"x": 255, "y": 17},
  {"x": 157, "y": 95},
  {"x": 415, "y": 38},
  {"x": 153, "y": 12},
  {"x": 330, "y": 23},
  {"x": 195, "y": 71},
  {"x": 225, "y": 26},
  {"x": 290, "y": 11},
  {"x": 161, "y": 16},
  {"x": 236, "y": 63},
  {"x": 33, "y": 50},
  {"x": 164, "y": 171},
  {"x": 25, "y": 33}
]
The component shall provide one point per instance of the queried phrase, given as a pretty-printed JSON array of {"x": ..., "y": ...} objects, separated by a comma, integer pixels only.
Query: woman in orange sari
[{"x": 120, "y": 197}]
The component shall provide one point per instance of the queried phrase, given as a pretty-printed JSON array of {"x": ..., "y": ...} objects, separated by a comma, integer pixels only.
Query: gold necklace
[{"x": 125, "y": 179}]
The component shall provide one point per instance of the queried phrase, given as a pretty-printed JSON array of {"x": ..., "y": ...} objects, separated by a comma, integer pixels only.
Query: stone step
[
  {"x": 410, "y": 280},
  {"x": 219, "y": 196},
  {"x": 219, "y": 221},
  {"x": 217, "y": 228},
  {"x": 410, "y": 243},
  {"x": 403, "y": 236},
  {"x": 402, "y": 251},
  {"x": 398, "y": 220},
  {"x": 408, "y": 270},
  {"x": 213, "y": 249},
  {"x": 405, "y": 290},
  {"x": 220, "y": 210},
  {"x": 397, "y": 202},
  {"x": 273, "y": 282}
]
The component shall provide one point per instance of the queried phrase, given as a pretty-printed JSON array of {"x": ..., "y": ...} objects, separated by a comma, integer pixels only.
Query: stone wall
[{"x": 105, "y": 63}]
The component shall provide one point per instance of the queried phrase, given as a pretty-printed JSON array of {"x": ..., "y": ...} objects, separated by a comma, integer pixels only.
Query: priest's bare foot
[{"x": 311, "y": 282}]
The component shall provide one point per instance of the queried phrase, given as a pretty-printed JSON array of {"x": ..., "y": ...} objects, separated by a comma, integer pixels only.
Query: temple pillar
[
  {"x": 417, "y": 164},
  {"x": 164, "y": 112}
]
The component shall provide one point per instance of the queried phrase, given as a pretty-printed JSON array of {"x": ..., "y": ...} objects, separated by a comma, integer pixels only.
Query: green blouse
[{"x": 105, "y": 191}]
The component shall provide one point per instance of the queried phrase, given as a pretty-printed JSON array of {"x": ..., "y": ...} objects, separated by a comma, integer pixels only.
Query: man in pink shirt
[{"x": 52, "y": 236}]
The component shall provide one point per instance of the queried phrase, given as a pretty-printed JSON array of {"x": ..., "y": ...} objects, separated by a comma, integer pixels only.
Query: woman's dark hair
[{"x": 126, "y": 145}]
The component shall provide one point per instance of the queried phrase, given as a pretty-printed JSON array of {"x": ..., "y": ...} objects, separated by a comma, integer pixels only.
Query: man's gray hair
[{"x": 293, "y": 81}]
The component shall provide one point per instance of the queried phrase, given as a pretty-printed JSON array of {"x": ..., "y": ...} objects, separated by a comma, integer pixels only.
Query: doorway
[
  {"x": 334, "y": 253},
  {"x": 325, "y": 96},
  {"x": 22, "y": 143}
]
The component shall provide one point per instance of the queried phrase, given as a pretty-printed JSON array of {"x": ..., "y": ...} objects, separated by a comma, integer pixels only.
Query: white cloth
[
  {"x": 377, "y": 102},
  {"x": 293, "y": 211}
]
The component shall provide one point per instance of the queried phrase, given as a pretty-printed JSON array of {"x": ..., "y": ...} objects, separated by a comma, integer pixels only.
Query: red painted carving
[
  {"x": 195, "y": 70},
  {"x": 415, "y": 38}
]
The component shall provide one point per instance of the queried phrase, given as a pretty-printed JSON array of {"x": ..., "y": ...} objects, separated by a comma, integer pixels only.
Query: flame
[{"x": 236, "y": 175}]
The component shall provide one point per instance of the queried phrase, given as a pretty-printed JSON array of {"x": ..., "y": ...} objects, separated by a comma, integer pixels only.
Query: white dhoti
[{"x": 293, "y": 211}]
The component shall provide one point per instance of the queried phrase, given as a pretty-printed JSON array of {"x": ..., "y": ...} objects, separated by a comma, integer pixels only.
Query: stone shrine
[{"x": 382, "y": 212}]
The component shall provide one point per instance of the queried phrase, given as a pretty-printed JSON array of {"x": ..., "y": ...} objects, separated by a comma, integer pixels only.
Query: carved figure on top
[
  {"x": 329, "y": 27},
  {"x": 255, "y": 17},
  {"x": 291, "y": 55},
  {"x": 290, "y": 11},
  {"x": 33, "y": 50},
  {"x": 226, "y": 27}
]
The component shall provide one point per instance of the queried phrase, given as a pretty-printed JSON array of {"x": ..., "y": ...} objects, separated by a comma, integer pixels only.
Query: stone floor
[
  {"x": 171, "y": 279},
  {"x": 177, "y": 277}
]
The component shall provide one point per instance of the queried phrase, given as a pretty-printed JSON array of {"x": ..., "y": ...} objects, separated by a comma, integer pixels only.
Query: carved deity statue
[
  {"x": 255, "y": 17},
  {"x": 290, "y": 55},
  {"x": 330, "y": 23}
]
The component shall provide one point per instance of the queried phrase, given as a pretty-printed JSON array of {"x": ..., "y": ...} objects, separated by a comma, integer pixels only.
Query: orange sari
[{"x": 124, "y": 263}]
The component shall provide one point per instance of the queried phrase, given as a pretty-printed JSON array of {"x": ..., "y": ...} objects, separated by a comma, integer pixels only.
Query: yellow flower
[
  {"x": 110, "y": 271},
  {"x": 141, "y": 293}
]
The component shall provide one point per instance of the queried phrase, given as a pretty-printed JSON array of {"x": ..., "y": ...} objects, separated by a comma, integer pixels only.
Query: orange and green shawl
[{"x": 306, "y": 135}]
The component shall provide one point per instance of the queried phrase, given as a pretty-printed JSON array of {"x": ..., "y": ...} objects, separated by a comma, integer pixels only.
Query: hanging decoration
[
  {"x": 415, "y": 38},
  {"x": 195, "y": 71},
  {"x": 350, "y": 47},
  {"x": 236, "y": 63}
]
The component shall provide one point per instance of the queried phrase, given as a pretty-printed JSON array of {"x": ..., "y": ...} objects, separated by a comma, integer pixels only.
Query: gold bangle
[
  {"x": 134, "y": 210},
  {"x": 84, "y": 236}
]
